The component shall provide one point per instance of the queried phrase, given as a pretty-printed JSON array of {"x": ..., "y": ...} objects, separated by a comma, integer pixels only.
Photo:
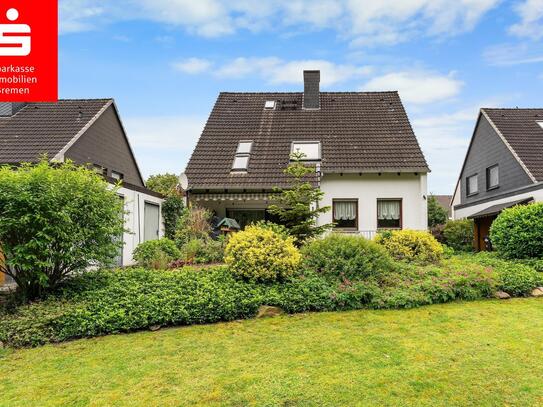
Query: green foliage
[
  {"x": 459, "y": 234},
  {"x": 517, "y": 233},
  {"x": 297, "y": 207},
  {"x": 156, "y": 254},
  {"x": 350, "y": 257},
  {"x": 165, "y": 184},
  {"x": 260, "y": 254},
  {"x": 194, "y": 223},
  {"x": 56, "y": 220},
  {"x": 203, "y": 251},
  {"x": 279, "y": 229},
  {"x": 173, "y": 208},
  {"x": 437, "y": 215},
  {"x": 411, "y": 245}
]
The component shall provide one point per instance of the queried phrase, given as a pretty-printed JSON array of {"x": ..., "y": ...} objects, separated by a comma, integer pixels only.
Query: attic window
[
  {"x": 540, "y": 124},
  {"x": 310, "y": 149},
  {"x": 243, "y": 153},
  {"x": 269, "y": 105}
]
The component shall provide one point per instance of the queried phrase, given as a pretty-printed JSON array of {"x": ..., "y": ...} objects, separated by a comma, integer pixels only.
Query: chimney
[
  {"x": 10, "y": 108},
  {"x": 311, "y": 89}
]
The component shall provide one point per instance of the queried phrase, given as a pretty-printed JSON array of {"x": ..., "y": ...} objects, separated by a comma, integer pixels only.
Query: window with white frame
[
  {"x": 311, "y": 150},
  {"x": 243, "y": 153},
  {"x": 269, "y": 105}
]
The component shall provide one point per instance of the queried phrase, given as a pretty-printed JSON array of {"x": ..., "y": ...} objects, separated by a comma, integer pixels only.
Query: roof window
[
  {"x": 269, "y": 105},
  {"x": 243, "y": 153},
  {"x": 311, "y": 150}
]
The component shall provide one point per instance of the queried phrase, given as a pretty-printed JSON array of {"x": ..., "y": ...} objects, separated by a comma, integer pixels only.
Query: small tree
[
  {"x": 165, "y": 184},
  {"x": 173, "y": 209},
  {"x": 298, "y": 206},
  {"x": 437, "y": 215},
  {"x": 55, "y": 220}
]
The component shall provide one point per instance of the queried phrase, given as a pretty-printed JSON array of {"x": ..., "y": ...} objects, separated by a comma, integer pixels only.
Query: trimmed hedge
[
  {"x": 517, "y": 233},
  {"x": 105, "y": 302}
]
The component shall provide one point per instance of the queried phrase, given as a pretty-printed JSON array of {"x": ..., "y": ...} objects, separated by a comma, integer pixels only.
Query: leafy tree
[
  {"x": 165, "y": 184},
  {"x": 437, "y": 215},
  {"x": 55, "y": 220},
  {"x": 298, "y": 206}
]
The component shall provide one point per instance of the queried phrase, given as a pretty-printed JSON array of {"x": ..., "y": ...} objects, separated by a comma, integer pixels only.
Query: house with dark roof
[
  {"x": 88, "y": 132},
  {"x": 503, "y": 167},
  {"x": 445, "y": 202},
  {"x": 366, "y": 157}
]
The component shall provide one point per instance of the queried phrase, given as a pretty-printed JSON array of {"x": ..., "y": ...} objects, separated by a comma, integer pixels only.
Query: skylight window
[
  {"x": 269, "y": 105},
  {"x": 540, "y": 124},
  {"x": 243, "y": 153},
  {"x": 310, "y": 149}
]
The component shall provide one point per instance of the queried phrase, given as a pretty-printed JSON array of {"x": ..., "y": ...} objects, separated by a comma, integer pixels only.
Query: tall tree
[
  {"x": 297, "y": 207},
  {"x": 437, "y": 215},
  {"x": 165, "y": 184}
]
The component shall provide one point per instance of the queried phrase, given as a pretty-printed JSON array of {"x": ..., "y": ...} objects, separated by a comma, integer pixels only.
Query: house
[
  {"x": 88, "y": 132},
  {"x": 503, "y": 167},
  {"x": 367, "y": 159},
  {"x": 445, "y": 202}
]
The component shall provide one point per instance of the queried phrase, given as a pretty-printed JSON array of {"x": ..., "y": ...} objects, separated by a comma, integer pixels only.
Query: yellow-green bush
[
  {"x": 261, "y": 254},
  {"x": 411, "y": 245}
]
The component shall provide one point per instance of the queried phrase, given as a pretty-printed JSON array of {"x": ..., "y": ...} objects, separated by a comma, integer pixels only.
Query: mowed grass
[{"x": 485, "y": 353}]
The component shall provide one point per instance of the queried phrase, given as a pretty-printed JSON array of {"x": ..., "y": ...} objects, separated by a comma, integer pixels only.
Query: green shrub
[
  {"x": 517, "y": 233},
  {"x": 458, "y": 234},
  {"x": 411, "y": 245},
  {"x": 350, "y": 257},
  {"x": 194, "y": 223},
  {"x": 156, "y": 254},
  {"x": 437, "y": 215},
  {"x": 203, "y": 251},
  {"x": 173, "y": 208},
  {"x": 56, "y": 220},
  {"x": 260, "y": 254}
]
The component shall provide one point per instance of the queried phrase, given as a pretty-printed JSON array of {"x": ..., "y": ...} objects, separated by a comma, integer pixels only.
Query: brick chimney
[{"x": 311, "y": 89}]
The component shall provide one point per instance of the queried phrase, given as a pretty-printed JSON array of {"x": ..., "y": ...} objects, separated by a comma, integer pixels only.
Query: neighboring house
[
  {"x": 368, "y": 161},
  {"x": 445, "y": 202},
  {"x": 503, "y": 167},
  {"x": 87, "y": 132}
]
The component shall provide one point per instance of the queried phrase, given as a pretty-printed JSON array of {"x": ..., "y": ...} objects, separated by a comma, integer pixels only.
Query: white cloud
[
  {"x": 192, "y": 65},
  {"x": 417, "y": 87},
  {"x": 513, "y": 54},
  {"x": 163, "y": 143},
  {"x": 531, "y": 20},
  {"x": 364, "y": 22},
  {"x": 276, "y": 71}
]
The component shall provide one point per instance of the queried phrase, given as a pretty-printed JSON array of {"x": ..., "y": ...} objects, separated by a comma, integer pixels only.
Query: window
[
  {"x": 241, "y": 159},
  {"x": 269, "y": 105},
  {"x": 471, "y": 185},
  {"x": 100, "y": 170},
  {"x": 492, "y": 177},
  {"x": 310, "y": 149},
  {"x": 117, "y": 175},
  {"x": 389, "y": 213},
  {"x": 345, "y": 213},
  {"x": 540, "y": 124}
]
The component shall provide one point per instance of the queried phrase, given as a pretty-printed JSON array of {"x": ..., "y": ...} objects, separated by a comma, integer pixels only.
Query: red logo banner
[{"x": 29, "y": 51}]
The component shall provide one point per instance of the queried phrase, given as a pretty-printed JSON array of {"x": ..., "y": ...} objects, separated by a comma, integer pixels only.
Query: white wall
[
  {"x": 367, "y": 188},
  {"x": 134, "y": 204},
  {"x": 465, "y": 212}
]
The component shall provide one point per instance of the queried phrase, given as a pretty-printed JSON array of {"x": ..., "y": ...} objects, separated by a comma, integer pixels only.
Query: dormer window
[
  {"x": 243, "y": 153},
  {"x": 269, "y": 105},
  {"x": 310, "y": 149}
]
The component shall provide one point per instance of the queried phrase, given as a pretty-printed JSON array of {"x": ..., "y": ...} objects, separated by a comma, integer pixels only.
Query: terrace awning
[
  {"x": 257, "y": 196},
  {"x": 496, "y": 209}
]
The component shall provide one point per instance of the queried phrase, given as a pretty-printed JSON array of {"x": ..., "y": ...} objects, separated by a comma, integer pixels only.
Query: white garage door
[{"x": 151, "y": 220}]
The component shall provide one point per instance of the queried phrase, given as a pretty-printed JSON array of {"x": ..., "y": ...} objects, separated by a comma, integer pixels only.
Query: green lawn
[{"x": 485, "y": 353}]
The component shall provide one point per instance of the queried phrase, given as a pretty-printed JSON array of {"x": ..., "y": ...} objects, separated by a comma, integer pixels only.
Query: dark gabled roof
[
  {"x": 444, "y": 200},
  {"x": 358, "y": 131},
  {"x": 524, "y": 136},
  {"x": 45, "y": 128}
]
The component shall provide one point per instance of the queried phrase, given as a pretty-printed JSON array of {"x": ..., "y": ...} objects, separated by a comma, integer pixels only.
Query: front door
[
  {"x": 482, "y": 232},
  {"x": 151, "y": 221}
]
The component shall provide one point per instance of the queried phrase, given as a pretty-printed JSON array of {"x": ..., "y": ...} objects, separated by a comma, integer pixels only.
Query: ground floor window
[
  {"x": 389, "y": 213},
  {"x": 345, "y": 213}
]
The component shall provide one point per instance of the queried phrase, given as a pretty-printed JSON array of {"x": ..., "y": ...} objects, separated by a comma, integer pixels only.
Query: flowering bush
[
  {"x": 411, "y": 245},
  {"x": 261, "y": 254}
]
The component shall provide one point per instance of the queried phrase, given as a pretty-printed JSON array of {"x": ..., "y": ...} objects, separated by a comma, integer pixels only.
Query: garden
[{"x": 52, "y": 230}]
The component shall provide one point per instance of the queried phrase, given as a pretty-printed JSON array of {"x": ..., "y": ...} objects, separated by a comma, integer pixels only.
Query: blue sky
[{"x": 165, "y": 61}]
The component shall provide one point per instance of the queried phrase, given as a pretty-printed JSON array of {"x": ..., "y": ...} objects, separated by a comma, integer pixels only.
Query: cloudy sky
[{"x": 165, "y": 61}]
